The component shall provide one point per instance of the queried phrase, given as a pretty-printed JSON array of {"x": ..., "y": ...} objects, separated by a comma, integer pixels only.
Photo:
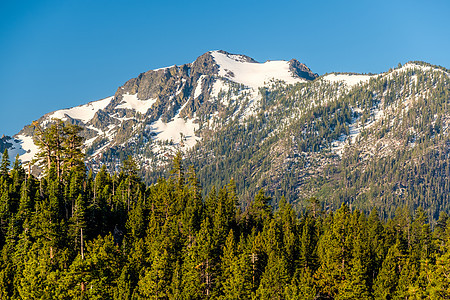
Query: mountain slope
[{"x": 377, "y": 140}]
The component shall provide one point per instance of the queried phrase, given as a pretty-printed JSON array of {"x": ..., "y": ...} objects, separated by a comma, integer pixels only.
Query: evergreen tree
[
  {"x": 335, "y": 253},
  {"x": 386, "y": 282},
  {"x": 235, "y": 282},
  {"x": 4, "y": 166},
  {"x": 156, "y": 280},
  {"x": 199, "y": 269}
]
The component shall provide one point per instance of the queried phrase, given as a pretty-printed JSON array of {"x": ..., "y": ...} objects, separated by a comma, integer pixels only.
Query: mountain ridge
[{"x": 152, "y": 89}]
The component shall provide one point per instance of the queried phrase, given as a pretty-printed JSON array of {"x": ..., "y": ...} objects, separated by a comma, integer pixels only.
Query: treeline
[{"x": 80, "y": 236}]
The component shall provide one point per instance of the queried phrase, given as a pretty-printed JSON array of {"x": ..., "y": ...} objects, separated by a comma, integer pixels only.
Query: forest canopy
[{"x": 72, "y": 234}]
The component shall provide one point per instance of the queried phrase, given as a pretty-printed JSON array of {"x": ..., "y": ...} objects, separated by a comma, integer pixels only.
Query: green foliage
[{"x": 4, "y": 166}]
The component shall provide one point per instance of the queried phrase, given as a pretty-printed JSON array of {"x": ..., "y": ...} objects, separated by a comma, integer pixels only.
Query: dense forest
[{"x": 74, "y": 235}]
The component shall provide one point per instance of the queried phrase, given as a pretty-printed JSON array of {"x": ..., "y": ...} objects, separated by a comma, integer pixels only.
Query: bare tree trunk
[
  {"x": 254, "y": 259},
  {"x": 82, "y": 251},
  {"x": 208, "y": 277}
]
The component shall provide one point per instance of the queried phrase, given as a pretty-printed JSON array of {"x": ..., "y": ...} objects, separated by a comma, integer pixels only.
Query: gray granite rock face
[
  {"x": 301, "y": 70},
  {"x": 174, "y": 87}
]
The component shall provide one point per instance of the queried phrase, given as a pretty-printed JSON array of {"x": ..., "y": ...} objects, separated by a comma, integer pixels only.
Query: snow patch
[
  {"x": 355, "y": 130},
  {"x": 178, "y": 130},
  {"x": 24, "y": 146},
  {"x": 84, "y": 113},
  {"x": 132, "y": 102},
  {"x": 218, "y": 86},
  {"x": 198, "y": 88}
]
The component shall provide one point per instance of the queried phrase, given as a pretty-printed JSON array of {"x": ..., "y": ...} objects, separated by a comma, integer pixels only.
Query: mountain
[
  {"x": 371, "y": 140},
  {"x": 164, "y": 108}
]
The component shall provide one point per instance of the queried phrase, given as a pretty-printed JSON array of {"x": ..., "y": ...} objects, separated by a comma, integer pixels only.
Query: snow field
[
  {"x": 253, "y": 75},
  {"x": 84, "y": 113},
  {"x": 175, "y": 128},
  {"x": 132, "y": 102}
]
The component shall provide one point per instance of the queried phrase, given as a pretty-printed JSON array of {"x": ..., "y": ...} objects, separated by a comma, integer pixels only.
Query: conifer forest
[{"x": 70, "y": 234}]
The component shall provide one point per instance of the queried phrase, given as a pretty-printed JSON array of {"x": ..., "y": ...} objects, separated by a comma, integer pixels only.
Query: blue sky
[{"x": 59, "y": 54}]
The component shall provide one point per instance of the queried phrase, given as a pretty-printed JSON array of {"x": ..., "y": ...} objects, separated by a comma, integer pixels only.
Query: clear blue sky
[{"x": 59, "y": 54}]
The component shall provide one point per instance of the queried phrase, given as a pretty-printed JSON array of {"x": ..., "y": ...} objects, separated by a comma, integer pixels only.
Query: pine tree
[
  {"x": 193, "y": 210},
  {"x": 439, "y": 282},
  {"x": 307, "y": 256},
  {"x": 302, "y": 286},
  {"x": 287, "y": 221},
  {"x": 177, "y": 169},
  {"x": 156, "y": 280},
  {"x": 274, "y": 280},
  {"x": 124, "y": 288},
  {"x": 95, "y": 275},
  {"x": 259, "y": 211},
  {"x": 386, "y": 282},
  {"x": 72, "y": 145},
  {"x": 377, "y": 243},
  {"x": 4, "y": 166},
  {"x": 235, "y": 282},
  {"x": 78, "y": 224},
  {"x": 355, "y": 286},
  {"x": 335, "y": 252},
  {"x": 5, "y": 205},
  {"x": 26, "y": 203},
  {"x": 199, "y": 266}
]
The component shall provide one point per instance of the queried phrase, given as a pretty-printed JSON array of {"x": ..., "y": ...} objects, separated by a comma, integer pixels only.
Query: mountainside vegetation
[
  {"x": 383, "y": 144},
  {"x": 72, "y": 234}
]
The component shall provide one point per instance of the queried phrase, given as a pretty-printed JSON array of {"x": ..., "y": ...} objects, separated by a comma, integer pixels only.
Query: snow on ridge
[
  {"x": 253, "y": 74},
  {"x": 164, "y": 68},
  {"x": 84, "y": 113},
  {"x": 132, "y": 102},
  {"x": 24, "y": 145},
  {"x": 414, "y": 66},
  {"x": 407, "y": 67},
  {"x": 353, "y": 79},
  {"x": 348, "y": 79},
  {"x": 410, "y": 66}
]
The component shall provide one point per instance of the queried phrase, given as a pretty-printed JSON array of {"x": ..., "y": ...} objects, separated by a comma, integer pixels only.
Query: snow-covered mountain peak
[
  {"x": 236, "y": 57},
  {"x": 165, "y": 109}
]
